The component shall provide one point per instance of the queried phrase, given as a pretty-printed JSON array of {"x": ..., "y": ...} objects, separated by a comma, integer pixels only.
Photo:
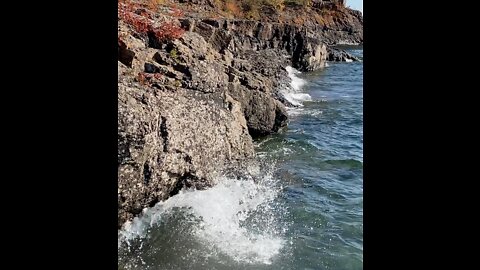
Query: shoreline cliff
[{"x": 196, "y": 85}]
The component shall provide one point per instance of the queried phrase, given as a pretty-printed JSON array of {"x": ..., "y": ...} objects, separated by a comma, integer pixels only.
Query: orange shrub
[
  {"x": 277, "y": 4},
  {"x": 299, "y": 20},
  {"x": 232, "y": 8}
]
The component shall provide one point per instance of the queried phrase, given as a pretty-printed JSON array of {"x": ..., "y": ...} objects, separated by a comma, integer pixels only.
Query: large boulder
[{"x": 168, "y": 140}]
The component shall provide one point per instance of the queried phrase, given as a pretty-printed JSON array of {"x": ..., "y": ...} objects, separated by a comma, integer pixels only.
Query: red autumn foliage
[
  {"x": 168, "y": 31},
  {"x": 145, "y": 13},
  {"x": 177, "y": 12},
  {"x": 126, "y": 13},
  {"x": 146, "y": 78},
  {"x": 139, "y": 19},
  {"x": 139, "y": 23}
]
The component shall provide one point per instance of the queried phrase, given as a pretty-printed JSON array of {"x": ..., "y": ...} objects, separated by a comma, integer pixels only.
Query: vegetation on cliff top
[
  {"x": 292, "y": 11},
  {"x": 141, "y": 20},
  {"x": 256, "y": 9}
]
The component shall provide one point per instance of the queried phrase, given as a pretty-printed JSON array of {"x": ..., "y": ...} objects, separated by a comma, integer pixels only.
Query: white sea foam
[
  {"x": 302, "y": 111},
  {"x": 348, "y": 60},
  {"x": 295, "y": 111},
  {"x": 222, "y": 212},
  {"x": 297, "y": 82},
  {"x": 294, "y": 93}
]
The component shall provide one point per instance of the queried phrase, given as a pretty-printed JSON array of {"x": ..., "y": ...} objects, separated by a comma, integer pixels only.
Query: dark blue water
[
  {"x": 305, "y": 213},
  {"x": 321, "y": 157}
]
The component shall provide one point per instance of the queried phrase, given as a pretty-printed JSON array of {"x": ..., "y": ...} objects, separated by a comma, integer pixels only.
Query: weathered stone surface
[
  {"x": 170, "y": 139},
  {"x": 311, "y": 56},
  {"x": 338, "y": 55}
]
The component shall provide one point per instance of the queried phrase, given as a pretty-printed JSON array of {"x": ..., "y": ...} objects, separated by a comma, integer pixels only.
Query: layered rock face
[
  {"x": 188, "y": 108},
  {"x": 338, "y": 24},
  {"x": 170, "y": 139},
  {"x": 328, "y": 20},
  {"x": 197, "y": 118}
]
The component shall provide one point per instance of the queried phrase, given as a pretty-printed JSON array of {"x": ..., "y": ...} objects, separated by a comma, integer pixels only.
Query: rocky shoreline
[{"x": 188, "y": 108}]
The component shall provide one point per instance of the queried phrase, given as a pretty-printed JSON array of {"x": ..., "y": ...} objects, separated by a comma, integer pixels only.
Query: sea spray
[
  {"x": 293, "y": 93},
  {"x": 236, "y": 219}
]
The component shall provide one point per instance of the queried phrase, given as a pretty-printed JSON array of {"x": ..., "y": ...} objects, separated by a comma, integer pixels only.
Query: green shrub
[{"x": 173, "y": 53}]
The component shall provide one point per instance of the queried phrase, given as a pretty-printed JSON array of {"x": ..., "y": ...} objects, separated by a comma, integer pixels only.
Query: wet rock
[{"x": 338, "y": 55}]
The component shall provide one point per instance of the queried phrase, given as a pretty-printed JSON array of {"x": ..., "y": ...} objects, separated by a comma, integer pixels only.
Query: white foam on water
[
  {"x": 260, "y": 143},
  {"x": 295, "y": 111},
  {"x": 316, "y": 113},
  {"x": 348, "y": 60},
  {"x": 222, "y": 211},
  {"x": 296, "y": 82},
  {"x": 287, "y": 151},
  {"x": 293, "y": 93}
]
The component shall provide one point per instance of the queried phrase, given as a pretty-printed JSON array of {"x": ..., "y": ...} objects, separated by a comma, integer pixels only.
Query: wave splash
[
  {"x": 293, "y": 93},
  {"x": 237, "y": 219}
]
